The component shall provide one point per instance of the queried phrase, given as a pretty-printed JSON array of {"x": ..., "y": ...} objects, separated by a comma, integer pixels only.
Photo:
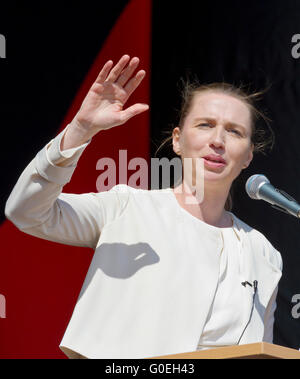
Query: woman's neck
[{"x": 208, "y": 207}]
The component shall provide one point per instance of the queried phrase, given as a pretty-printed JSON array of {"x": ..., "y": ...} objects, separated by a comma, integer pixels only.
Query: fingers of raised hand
[
  {"x": 126, "y": 74},
  {"x": 104, "y": 72},
  {"x": 109, "y": 74},
  {"x": 134, "y": 82},
  {"x": 119, "y": 73},
  {"x": 117, "y": 69}
]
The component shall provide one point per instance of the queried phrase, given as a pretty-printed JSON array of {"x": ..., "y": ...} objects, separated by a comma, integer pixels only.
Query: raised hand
[{"x": 103, "y": 107}]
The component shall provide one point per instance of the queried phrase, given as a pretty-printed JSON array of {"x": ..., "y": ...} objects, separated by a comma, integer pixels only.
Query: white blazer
[{"x": 152, "y": 280}]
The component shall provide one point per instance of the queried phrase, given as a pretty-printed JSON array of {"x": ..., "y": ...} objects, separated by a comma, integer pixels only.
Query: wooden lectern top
[{"x": 260, "y": 350}]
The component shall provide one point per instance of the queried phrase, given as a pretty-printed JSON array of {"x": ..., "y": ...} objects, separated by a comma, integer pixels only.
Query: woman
[{"x": 168, "y": 275}]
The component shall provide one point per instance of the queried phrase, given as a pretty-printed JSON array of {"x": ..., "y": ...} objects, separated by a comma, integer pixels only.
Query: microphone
[
  {"x": 258, "y": 187},
  {"x": 245, "y": 283}
]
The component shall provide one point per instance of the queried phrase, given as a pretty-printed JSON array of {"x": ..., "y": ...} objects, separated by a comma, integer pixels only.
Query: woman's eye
[{"x": 235, "y": 132}]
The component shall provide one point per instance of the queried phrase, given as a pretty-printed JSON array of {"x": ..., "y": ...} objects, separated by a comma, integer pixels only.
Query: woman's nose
[{"x": 218, "y": 138}]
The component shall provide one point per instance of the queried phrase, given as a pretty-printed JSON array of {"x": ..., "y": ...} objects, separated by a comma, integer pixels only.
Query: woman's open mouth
[{"x": 214, "y": 161}]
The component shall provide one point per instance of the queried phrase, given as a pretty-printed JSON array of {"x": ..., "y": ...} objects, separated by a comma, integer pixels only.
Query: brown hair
[{"x": 259, "y": 137}]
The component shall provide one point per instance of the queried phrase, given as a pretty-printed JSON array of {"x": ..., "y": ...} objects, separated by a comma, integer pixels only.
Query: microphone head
[{"x": 254, "y": 183}]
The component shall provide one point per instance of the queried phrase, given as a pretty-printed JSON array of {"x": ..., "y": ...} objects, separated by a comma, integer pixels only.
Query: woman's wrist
[{"x": 76, "y": 135}]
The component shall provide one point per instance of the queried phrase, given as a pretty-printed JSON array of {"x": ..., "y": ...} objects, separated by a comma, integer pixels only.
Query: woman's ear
[
  {"x": 175, "y": 140},
  {"x": 250, "y": 157}
]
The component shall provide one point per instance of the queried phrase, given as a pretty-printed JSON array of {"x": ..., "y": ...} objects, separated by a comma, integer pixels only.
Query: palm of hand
[{"x": 103, "y": 106}]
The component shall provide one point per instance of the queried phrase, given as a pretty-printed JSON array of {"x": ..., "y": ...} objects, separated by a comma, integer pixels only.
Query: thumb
[{"x": 133, "y": 110}]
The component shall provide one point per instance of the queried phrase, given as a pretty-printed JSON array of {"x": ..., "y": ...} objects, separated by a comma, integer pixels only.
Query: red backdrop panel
[{"x": 39, "y": 279}]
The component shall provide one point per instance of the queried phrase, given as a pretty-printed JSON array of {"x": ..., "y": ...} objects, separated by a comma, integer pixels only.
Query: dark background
[
  {"x": 51, "y": 47},
  {"x": 245, "y": 43}
]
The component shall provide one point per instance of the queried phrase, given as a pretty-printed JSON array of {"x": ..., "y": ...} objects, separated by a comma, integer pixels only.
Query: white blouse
[
  {"x": 223, "y": 325},
  {"x": 154, "y": 280}
]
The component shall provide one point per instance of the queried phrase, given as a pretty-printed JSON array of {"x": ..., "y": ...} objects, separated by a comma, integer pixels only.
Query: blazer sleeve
[
  {"x": 269, "y": 317},
  {"x": 38, "y": 207}
]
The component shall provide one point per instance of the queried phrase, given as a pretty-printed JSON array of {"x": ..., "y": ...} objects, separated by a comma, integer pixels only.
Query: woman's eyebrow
[{"x": 204, "y": 119}]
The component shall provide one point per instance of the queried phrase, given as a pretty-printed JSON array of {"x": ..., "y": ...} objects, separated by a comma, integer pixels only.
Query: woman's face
[{"x": 217, "y": 129}]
